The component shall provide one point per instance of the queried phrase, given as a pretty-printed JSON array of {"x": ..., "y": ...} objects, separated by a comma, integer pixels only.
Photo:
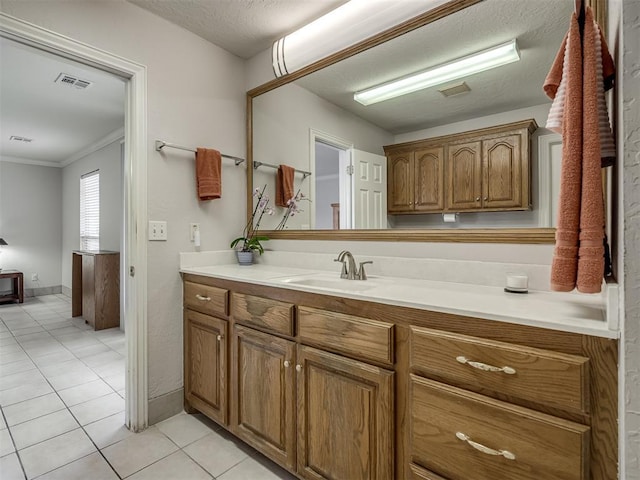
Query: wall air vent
[
  {"x": 455, "y": 89},
  {"x": 70, "y": 80},
  {"x": 17, "y": 138}
]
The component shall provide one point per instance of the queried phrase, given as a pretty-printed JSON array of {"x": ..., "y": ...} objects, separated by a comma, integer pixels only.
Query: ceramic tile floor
[{"x": 62, "y": 403}]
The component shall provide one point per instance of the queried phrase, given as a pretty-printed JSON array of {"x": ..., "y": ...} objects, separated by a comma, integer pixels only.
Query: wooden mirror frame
[{"x": 487, "y": 235}]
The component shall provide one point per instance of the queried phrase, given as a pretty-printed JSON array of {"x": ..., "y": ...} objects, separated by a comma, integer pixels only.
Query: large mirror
[{"x": 311, "y": 122}]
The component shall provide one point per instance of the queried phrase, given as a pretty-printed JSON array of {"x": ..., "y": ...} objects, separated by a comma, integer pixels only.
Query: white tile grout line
[{"x": 17, "y": 452}]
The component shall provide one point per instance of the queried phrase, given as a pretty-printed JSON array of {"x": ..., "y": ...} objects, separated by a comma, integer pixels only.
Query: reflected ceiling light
[
  {"x": 341, "y": 28},
  {"x": 462, "y": 67}
]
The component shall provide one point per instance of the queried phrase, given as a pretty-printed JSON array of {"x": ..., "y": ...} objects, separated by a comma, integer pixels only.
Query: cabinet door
[
  {"x": 464, "y": 178},
  {"x": 345, "y": 418},
  {"x": 429, "y": 180},
  {"x": 205, "y": 365},
  {"x": 400, "y": 193},
  {"x": 504, "y": 184},
  {"x": 263, "y": 391}
]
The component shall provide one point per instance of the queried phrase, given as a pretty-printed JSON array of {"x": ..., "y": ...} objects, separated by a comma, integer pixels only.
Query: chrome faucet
[{"x": 349, "y": 270}]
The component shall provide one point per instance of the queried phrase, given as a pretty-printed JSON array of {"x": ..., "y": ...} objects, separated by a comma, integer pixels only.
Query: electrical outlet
[
  {"x": 34, "y": 277},
  {"x": 157, "y": 231}
]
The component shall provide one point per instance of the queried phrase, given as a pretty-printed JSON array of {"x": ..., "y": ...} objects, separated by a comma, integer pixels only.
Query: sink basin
[{"x": 331, "y": 283}]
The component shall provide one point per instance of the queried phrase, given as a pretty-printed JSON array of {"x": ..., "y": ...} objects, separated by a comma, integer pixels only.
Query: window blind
[{"x": 90, "y": 211}]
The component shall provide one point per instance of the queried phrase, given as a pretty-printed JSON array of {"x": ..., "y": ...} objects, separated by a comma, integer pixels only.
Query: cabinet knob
[
  {"x": 204, "y": 299},
  {"x": 298, "y": 368},
  {"x": 486, "y": 198},
  {"x": 477, "y": 199},
  {"x": 219, "y": 337},
  {"x": 287, "y": 364},
  {"x": 410, "y": 203}
]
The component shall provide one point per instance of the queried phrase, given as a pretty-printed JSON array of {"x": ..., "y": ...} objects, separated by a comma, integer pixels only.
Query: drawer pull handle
[
  {"x": 489, "y": 451},
  {"x": 485, "y": 367},
  {"x": 200, "y": 297},
  {"x": 287, "y": 364}
]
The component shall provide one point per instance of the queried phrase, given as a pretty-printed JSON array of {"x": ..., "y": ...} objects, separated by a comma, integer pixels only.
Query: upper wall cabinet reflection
[{"x": 315, "y": 125}]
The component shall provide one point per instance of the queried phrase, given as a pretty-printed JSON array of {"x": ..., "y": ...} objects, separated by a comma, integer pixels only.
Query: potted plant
[{"x": 250, "y": 241}]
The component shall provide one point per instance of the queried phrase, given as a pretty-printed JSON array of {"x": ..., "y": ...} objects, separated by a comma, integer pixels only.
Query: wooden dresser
[
  {"x": 95, "y": 288},
  {"x": 343, "y": 389}
]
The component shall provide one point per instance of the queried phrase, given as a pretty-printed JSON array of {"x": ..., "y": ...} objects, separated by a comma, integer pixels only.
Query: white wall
[
  {"x": 629, "y": 133},
  {"x": 282, "y": 121},
  {"x": 108, "y": 161},
  {"x": 31, "y": 222},
  {"x": 196, "y": 97}
]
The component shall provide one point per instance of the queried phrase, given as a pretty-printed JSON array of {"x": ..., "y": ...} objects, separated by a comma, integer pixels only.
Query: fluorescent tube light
[
  {"x": 459, "y": 68},
  {"x": 347, "y": 25}
]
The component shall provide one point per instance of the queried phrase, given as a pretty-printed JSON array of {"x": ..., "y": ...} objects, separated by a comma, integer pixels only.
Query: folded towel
[
  {"x": 567, "y": 81},
  {"x": 284, "y": 185},
  {"x": 208, "y": 174},
  {"x": 580, "y": 73}
]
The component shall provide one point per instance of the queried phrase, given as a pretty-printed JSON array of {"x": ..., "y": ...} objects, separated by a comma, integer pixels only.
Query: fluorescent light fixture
[
  {"x": 341, "y": 28},
  {"x": 459, "y": 68}
]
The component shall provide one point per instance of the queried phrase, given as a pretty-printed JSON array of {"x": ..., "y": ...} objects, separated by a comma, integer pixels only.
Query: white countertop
[{"x": 570, "y": 312}]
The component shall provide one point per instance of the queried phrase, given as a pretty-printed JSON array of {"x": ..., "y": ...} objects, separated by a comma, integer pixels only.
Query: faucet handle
[
  {"x": 344, "y": 273},
  {"x": 362, "y": 275}
]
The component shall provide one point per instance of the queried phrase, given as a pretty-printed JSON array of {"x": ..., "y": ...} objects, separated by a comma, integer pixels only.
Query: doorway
[
  {"x": 133, "y": 256},
  {"x": 332, "y": 188}
]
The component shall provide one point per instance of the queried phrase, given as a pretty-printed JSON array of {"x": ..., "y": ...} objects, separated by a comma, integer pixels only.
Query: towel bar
[{"x": 160, "y": 144}]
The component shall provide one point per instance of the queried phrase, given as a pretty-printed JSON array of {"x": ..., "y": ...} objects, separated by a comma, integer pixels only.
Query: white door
[{"x": 369, "y": 190}]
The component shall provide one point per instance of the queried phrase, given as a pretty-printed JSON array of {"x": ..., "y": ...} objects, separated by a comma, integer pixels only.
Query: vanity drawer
[
  {"x": 206, "y": 299},
  {"x": 464, "y": 435},
  {"x": 357, "y": 337},
  {"x": 263, "y": 313},
  {"x": 540, "y": 376}
]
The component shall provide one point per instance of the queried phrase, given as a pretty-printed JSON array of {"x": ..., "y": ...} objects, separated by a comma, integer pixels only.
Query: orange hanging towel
[
  {"x": 576, "y": 83},
  {"x": 208, "y": 174},
  {"x": 284, "y": 185}
]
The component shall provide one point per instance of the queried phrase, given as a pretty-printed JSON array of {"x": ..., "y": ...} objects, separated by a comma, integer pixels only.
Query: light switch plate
[{"x": 157, "y": 231}]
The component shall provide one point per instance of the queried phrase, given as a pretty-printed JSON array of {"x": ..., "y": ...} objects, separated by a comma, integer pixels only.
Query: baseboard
[
  {"x": 66, "y": 291},
  {"x": 39, "y": 291},
  {"x": 165, "y": 406}
]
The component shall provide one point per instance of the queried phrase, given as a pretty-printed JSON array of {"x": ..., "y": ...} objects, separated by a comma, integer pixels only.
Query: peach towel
[
  {"x": 208, "y": 174},
  {"x": 284, "y": 185},
  {"x": 555, "y": 88},
  {"x": 576, "y": 83}
]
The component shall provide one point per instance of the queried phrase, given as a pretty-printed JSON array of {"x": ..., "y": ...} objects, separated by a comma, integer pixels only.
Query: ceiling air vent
[
  {"x": 17, "y": 138},
  {"x": 456, "y": 89},
  {"x": 70, "y": 80}
]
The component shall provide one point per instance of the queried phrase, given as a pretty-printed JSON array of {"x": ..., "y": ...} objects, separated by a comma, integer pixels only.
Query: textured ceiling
[{"x": 242, "y": 27}]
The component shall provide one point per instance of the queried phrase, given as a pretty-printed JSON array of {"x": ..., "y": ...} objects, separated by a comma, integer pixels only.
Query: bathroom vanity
[{"x": 344, "y": 381}]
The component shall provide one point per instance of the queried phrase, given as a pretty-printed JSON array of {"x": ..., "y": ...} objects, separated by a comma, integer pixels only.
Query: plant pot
[{"x": 245, "y": 258}]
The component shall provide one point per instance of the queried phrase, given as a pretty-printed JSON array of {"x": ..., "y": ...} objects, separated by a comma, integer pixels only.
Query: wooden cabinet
[
  {"x": 205, "y": 366},
  {"x": 263, "y": 392},
  {"x": 480, "y": 170},
  {"x": 519, "y": 443},
  {"x": 95, "y": 290},
  {"x": 342, "y": 389},
  {"x": 345, "y": 418},
  {"x": 416, "y": 181}
]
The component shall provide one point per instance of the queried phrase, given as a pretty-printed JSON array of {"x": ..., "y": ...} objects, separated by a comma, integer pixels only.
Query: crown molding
[{"x": 114, "y": 136}]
